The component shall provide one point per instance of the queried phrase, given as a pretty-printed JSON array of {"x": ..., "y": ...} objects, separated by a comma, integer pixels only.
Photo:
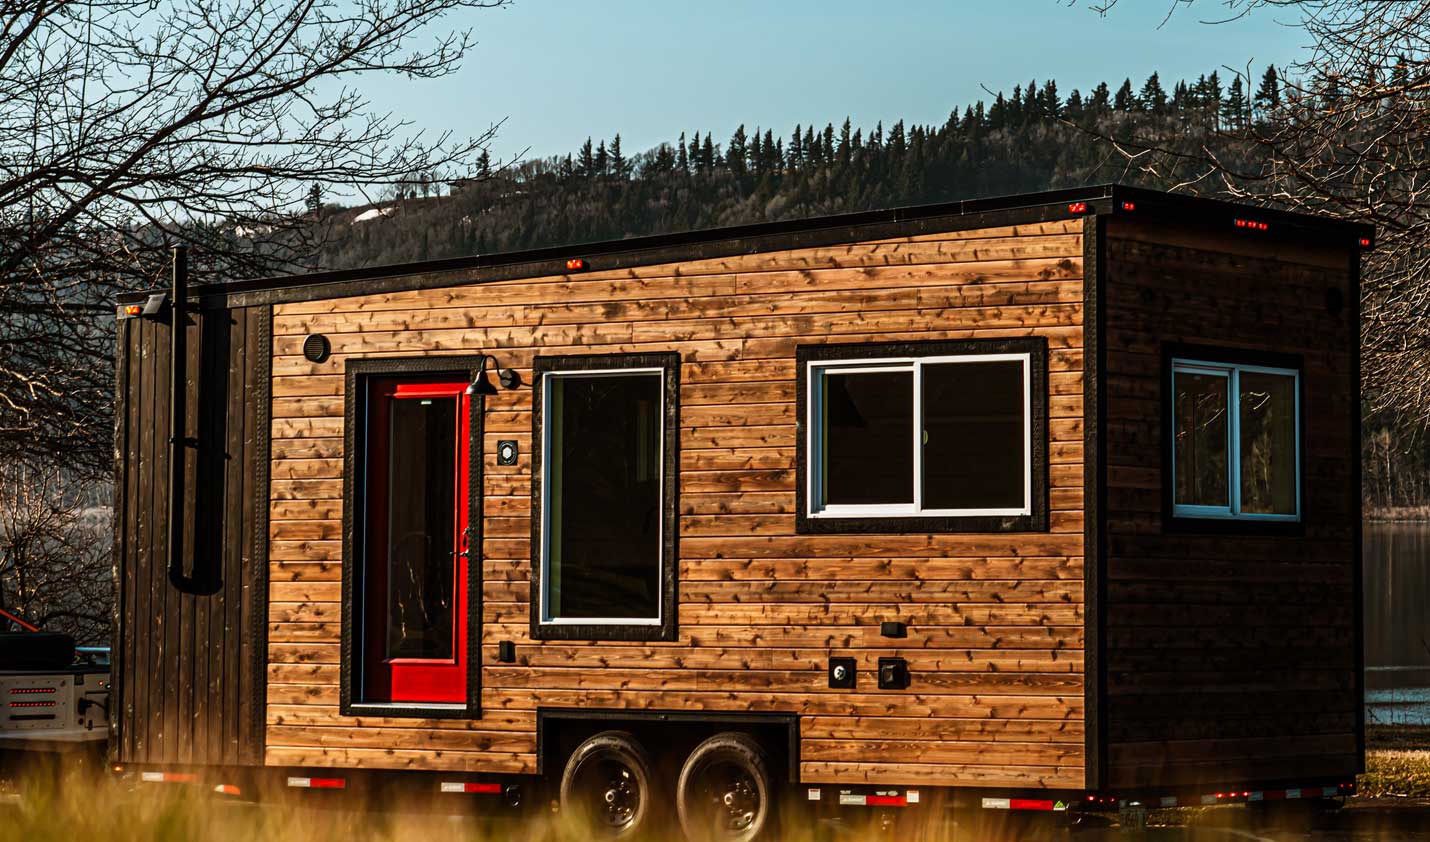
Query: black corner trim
[
  {"x": 668, "y": 628},
  {"x": 1357, "y": 501},
  {"x": 1232, "y": 356},
  {"x": 354, "y": 403},
  {"x": 1094, "y": 242},
  {"x": 258, "y": 594},
  {"x": 1037, "y": 349}
]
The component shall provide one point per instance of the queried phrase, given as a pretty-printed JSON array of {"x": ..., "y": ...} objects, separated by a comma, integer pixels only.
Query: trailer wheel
[
  {"x": 725, "y": 792},
  {"x": 607, "y": 785}
]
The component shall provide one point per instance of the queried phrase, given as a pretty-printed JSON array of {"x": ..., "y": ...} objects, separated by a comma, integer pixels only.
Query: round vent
[{"x": 316, "y": 348}]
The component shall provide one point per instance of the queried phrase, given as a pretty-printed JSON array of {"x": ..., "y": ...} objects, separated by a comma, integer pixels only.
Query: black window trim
[
  {"x": 1036, "y": 347},
  {"x": 666, "y": 629},
  {"x": 1229, "y": 355},
  {"x": 357, "y": 372}
]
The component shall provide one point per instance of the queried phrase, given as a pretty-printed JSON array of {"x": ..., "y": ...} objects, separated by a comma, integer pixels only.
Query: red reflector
[
  {"x": 227, "y": 789},
  {"x": 327, "y": 783},
  {"x": 1251, "y": 224},
  {"x": 1365, "y": 242},
  {"x": 1077, "y": 207},
  {"x": 463, "y": 786},
  {"x": 49, "y": 703},
  {"x": 1029, "y": 804},
  {"x": 1129, "y": 206},
  {"x": 23, "y": 690},
  {"x": 133, "y": 309},
  {"x": 575, "y": 264},
  {"x": 885, "y": 801}
]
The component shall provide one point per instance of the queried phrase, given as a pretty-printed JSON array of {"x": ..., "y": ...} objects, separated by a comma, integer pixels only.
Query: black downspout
[{"x": 178, "y": 415}]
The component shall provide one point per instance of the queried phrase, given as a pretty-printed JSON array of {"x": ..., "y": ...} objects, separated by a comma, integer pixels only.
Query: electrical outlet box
[
  {"x": 841, "y": 673},
  {"x": 893, "y": 674}
]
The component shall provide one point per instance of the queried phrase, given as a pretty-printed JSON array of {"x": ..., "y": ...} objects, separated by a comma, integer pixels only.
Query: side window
[
  {"x": 604, "y": 565},
  {"x": 923, "y": 437},
  {"x": 1235, "y": 447}
]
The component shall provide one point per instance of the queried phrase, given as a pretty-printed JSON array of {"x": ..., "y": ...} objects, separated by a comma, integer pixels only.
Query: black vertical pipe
[{"x": 178, "y": 413}]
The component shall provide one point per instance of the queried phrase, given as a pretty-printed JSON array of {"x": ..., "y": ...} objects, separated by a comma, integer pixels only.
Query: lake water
[{"x": 1397, "y": 623}]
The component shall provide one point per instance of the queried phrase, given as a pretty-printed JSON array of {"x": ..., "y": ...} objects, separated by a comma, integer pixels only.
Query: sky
[{"x": 558, "y": 71}]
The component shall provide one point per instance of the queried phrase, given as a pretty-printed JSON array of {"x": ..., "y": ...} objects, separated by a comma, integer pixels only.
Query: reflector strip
[
  {"x": 1257, "y": 795},
  {"x": 167, "y": 777},
  {"x": 318, "y": 783},
  {"x": 464, "y": 786},
  {"x": 1024, "y": 804},
  {"x": 885, "y": 801},
  {"x": 227, "y": 789}
]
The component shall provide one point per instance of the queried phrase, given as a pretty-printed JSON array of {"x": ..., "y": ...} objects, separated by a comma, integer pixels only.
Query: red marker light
[
  {"x": 575, "y": 264},
  {"x": 1129, "y": 206},
  {"x": 1077, "y": 207},
  {"x": 1365, "y": 242},
  {"x": 133, "y": 309},
  {"x": 1252, "y": 224}
]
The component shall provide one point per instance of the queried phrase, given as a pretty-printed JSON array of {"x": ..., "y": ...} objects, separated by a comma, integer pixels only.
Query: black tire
[
  {"x": 726, "y": 792},
  {"x": 607, "y": 786}
]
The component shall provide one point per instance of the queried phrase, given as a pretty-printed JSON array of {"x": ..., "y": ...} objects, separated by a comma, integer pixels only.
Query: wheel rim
[
  {"x": 613, "y": 793},
  {"x": 732, "y": 800}
]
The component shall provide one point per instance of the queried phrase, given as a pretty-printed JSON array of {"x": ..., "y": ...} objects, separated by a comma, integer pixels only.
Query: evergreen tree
[
  {"x": 843, "y": 151},
  {"x": 1181, "y": 96},
  {"x": 1153, "y": 98},
  {"x": 1051, "y": 105},
  {"x": 796, "y": 148},
  {"x": 620, "y": 167},
  {"x": 736, "y": 152},
  {"x": 1233, "y": 111},
  {"x": 1399, "y": 76},
  {"x": 484, "y": 165},
  {"x": 314, "y": 202},
  {"x": 1213, "y": 96},
  {"x": 773, "y": 156},
  {"x": 1125, "y": 101},
  {"x": 603, "y": 159},
  {"x": 682, "y": 160},
  {"x": 707, "y": 155},
  {"x": 1074, "y": 108},
  {"x": 586, "y": 160},
  {"x": 1268, "y": 96},
  {"x": 695, "y": 152},
  {"x": 1101, "y": 98}
]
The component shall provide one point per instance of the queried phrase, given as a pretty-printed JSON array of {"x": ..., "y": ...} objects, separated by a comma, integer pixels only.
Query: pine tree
[
  {"x": 773, "y": 157},
  {"x": 844, "y": 152},
  {"x": 484, "y": 165},
  {"x": 603, "y": 159},
  {"x": 695, "y": 162},
  {"x": 736, "y": 151},
  {"x": 1268, "y": 96},
  {"x": 796, "y": 148},
  {"x": 1101, "y": 98},
  {"x": 1153, "y": 98},
  {"x": 620, "y": 167},
  {"x": 1213, "y": 96},
  {"x": 682, "y": 160},
  {"x": 1049, "y": 101},
  {"x": 1124, "y": 101},
  {"x": 586, "y": 160},
  {"x": 1073, "y": 110},
  {"x": 314, "y": 201},
  {"x": 707, "y": 155},
  {"x": 1233, "y": 111}
]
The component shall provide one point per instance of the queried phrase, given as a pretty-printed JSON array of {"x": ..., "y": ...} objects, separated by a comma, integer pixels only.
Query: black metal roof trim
[{"x": 749, "y": 239}]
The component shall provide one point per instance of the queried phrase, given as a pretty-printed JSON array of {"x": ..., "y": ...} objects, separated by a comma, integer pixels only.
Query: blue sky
[{"x": 560, "y": 70}]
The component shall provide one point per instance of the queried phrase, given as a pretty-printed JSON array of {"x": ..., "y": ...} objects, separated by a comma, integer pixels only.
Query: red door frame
[{"x": 412, "y": 679}]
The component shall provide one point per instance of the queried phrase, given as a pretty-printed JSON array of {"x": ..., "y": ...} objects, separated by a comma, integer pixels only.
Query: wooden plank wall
[
  {"x": 1229, "y": 657},
  {"x": 996, "y": 625},
  {"x": 187, "y": 690}
]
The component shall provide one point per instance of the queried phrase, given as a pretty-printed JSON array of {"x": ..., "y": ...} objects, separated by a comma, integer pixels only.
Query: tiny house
[{"x": 1030, "y": 502}]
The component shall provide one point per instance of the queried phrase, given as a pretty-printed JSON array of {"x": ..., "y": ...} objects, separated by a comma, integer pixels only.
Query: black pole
[{"x": 178, "y": 413}]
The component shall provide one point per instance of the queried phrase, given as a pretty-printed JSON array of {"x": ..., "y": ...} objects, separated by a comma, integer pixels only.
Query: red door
[{"x": 415, "y": 545}]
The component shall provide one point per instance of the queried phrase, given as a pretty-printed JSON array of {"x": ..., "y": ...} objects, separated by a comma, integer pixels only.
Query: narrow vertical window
[
  {"x": 605, "y": 513},
  {"x": 1236, "y": 441}
]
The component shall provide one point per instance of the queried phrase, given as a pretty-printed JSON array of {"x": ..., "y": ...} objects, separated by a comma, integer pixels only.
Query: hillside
[{"x": 1031, "y": 139}]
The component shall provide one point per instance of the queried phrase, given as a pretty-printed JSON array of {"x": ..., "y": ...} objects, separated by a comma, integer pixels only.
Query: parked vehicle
[
  {"x": 1046, "y": 502},
  {"x": 55, "y": 696}
]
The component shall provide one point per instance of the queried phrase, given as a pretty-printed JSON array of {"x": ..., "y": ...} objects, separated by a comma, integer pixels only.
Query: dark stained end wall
[
  {"x": 1229, "y": 657},
  {"x": 189, "y": 687}
]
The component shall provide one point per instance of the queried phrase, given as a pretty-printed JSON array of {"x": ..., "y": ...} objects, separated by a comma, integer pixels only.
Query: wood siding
[
  {"x": 1229, "y": 657},
  {"x": 189, "y": 688},
  {"x": 995, "y": 620}
]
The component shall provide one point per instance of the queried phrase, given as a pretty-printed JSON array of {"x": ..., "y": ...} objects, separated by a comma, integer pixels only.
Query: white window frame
[
  {"x": 1232, "y": 374},
  {"x": 545, "y": 618},
  {"x": 816, "y": 508}
]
